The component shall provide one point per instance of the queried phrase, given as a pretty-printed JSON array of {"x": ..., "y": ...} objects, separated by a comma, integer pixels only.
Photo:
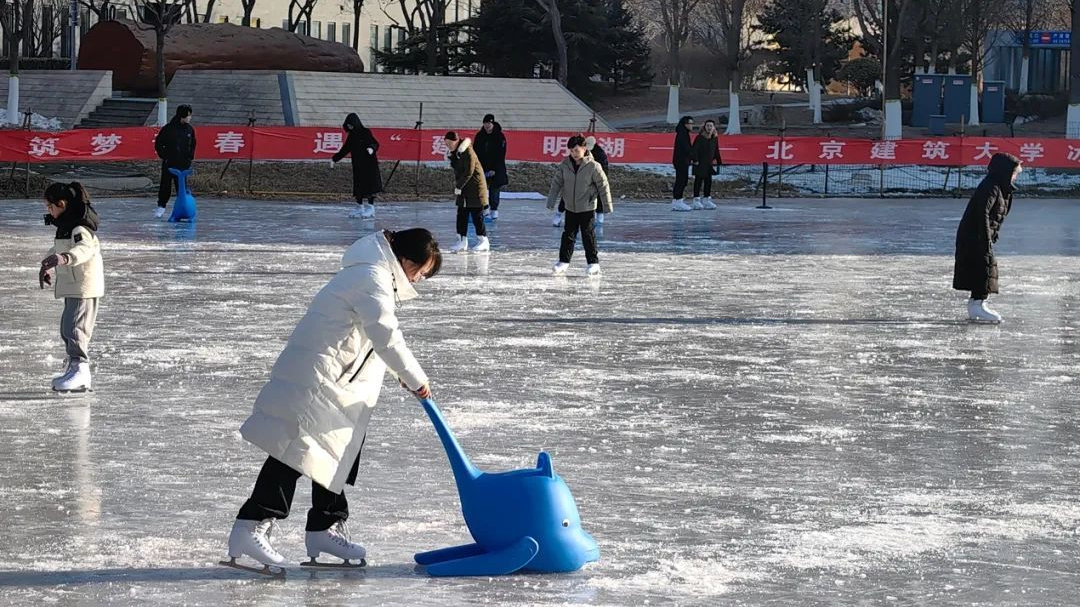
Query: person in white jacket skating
[
  {"x": 311, "y": 417},
  {"x": 75, "y": 262}
]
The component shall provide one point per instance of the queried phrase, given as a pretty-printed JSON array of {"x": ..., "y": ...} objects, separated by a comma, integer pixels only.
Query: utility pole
[{"x": 73, "y": 20}]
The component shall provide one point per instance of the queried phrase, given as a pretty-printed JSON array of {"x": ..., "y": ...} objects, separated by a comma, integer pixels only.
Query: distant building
[
  {"x": 382, "y": 23},
  {"x": 1048, "y": 70}
]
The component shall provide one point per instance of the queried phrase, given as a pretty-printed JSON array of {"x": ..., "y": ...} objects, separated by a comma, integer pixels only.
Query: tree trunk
[
  {"x": 13, "y": 36},
  {"x": 209, "y": 10},
  {"x": 356, "y": 31},
  {"x": 159, "y": 46},
  {"x": 734, "y": 51}
]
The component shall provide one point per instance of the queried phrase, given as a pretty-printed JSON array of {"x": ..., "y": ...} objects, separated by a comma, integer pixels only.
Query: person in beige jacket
[
  {"x": 580, "y": 183},
  {"x": 73, "y": 266},
  {"x": 311, "y": 418}
]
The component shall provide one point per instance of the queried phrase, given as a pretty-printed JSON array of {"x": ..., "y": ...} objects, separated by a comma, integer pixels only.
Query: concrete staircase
[{"x": 117, "y": 112}]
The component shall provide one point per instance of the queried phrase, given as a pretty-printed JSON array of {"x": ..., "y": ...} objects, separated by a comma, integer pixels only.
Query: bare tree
[
  {"x": 676, "y": 20},
  {"x": 357, "y": 9},
  {"x": 724, "y": 30},
  {"x": 102, "y": 9},
  {"x": 44, "y": 27},
  {"x": 551, "y": 7},
  {"x": 426, "y": 18},
  {"x": 883, "y": 37},
  {"x": 300, "y": 10},
  {"x": 159, "y": 16},
  {"x": 248, "y": 6},
  {"x": 13, "y": 17},
  {"x": 192, "y": 14}
]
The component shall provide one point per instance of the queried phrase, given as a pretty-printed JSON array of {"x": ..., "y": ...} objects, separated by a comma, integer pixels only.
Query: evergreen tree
[
  {"x": 789, "y": 25},
  {"x": 628, "y": 63}
]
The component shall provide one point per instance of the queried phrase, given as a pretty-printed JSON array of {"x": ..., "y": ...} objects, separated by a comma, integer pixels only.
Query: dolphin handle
[{"x": 464, "y": 470}]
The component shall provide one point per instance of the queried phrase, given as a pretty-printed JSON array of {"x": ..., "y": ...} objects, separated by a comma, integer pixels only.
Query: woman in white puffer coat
[{"x": 312, "y": 416}]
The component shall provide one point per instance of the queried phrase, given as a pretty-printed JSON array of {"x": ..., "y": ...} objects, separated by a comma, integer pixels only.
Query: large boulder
[{"x": 129, "y": 51}]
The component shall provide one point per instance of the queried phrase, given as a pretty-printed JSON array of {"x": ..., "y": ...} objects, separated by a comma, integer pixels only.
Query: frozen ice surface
[{"x": 752, "y": 407}]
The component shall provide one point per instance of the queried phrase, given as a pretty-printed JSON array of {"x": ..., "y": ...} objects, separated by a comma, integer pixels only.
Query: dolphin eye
[{"x": 566, "y": 522}]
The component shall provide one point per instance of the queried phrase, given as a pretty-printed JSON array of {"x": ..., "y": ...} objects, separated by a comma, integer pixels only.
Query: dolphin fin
[
  {"x": 448, "y": 554},
  {"x": 543, "y": 463},
  {"x": 501, "y": 562}
]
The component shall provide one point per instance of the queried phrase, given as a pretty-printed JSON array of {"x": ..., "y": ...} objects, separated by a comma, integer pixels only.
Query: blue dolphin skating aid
[
  {"x": 521, "y": 520},
  {"x": 184, "y": 207}
]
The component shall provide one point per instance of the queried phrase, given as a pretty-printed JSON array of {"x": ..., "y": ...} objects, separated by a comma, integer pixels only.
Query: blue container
[
  {"x": 957, "y": 98},
  {"x": 926, "y": 98},
  {"x": 936, "y": 125},
  {"x": 993, "y": 101}
]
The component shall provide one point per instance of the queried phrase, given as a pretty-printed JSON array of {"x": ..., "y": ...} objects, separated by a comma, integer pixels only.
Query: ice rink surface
[{"x": 781, "y": 407}]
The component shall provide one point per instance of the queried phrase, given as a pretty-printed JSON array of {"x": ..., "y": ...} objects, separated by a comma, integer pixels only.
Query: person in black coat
[
  {"x": 175, "y": 146},
  {"x": 490, "y": 147},
  {"x": 705, "y": 156},
  {"x": 976, "y": 265},
  {"x": 680, "y": 158},
  {"x": 367, "y": 180},
  {"x": 601, "y": 158}
]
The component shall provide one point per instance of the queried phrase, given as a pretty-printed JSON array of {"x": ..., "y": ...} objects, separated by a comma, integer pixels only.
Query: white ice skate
[
  {"x": 67, "y": 369},
  {"x": 369, "y": 211},
  {"x": 593, "y": 269},
  {"x": 600, "y": 218},
  {"x": 461, "y": 245},
  {"x": 697, "y": 206},
  {"x": 76, "y": 379},
  {"x": 159, "y": 213},
  {"x": 252, "y": 538},
  {"x": 358, "y": 213},
  {"x": 557, "y": 219},
  {"x": 559, "y": 267},
  {"x": 708, "y": 204},
  {"x": 482, "y": 245},
  {"x": 494, "y": 215},
  {"x": 680, "y": 205},
  {"x": 979, "y": 312},
  {"x": 335, "y": 542}
]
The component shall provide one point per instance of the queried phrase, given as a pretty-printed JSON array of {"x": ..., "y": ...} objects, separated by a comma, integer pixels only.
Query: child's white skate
[
  {"x": 335, "y": 542},
  {"x": 483, "y": 245},
  {"x": 76, "y": 379},
  {"x": 369, "y": 211},
  {"x": 557, "y": 219},
  {"x": 252, "y": 538},
  {"x": 159, "y": 213},
  {"x": 708, "y": 204},
  {"x": 461, "y": 245}
]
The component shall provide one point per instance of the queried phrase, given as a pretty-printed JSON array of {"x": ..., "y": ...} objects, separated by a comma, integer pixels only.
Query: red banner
[{"x": 313, "y": 143}]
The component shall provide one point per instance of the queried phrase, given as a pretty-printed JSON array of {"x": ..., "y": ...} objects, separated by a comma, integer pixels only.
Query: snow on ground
[
  {"x": 751, "y": 407},
  {"x": 37, "y": 121}
]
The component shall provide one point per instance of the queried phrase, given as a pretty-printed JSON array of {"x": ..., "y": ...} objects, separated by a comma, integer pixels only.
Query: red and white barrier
[{"x": 313, "y": 143}]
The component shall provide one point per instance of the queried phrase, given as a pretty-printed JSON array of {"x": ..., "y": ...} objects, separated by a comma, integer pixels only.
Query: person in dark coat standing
[
  {"x": 367, "y": 180},
  {"x": 976, "y": 265},
  {"x": 490, "y": 144},
  {"x": 680, "y": 158},
  {"x": 600, "y": 156},
  {"x": 705, "y": 156},
  {"x": 175, "y": 146},
  {"x": 471, "y": 191}
]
